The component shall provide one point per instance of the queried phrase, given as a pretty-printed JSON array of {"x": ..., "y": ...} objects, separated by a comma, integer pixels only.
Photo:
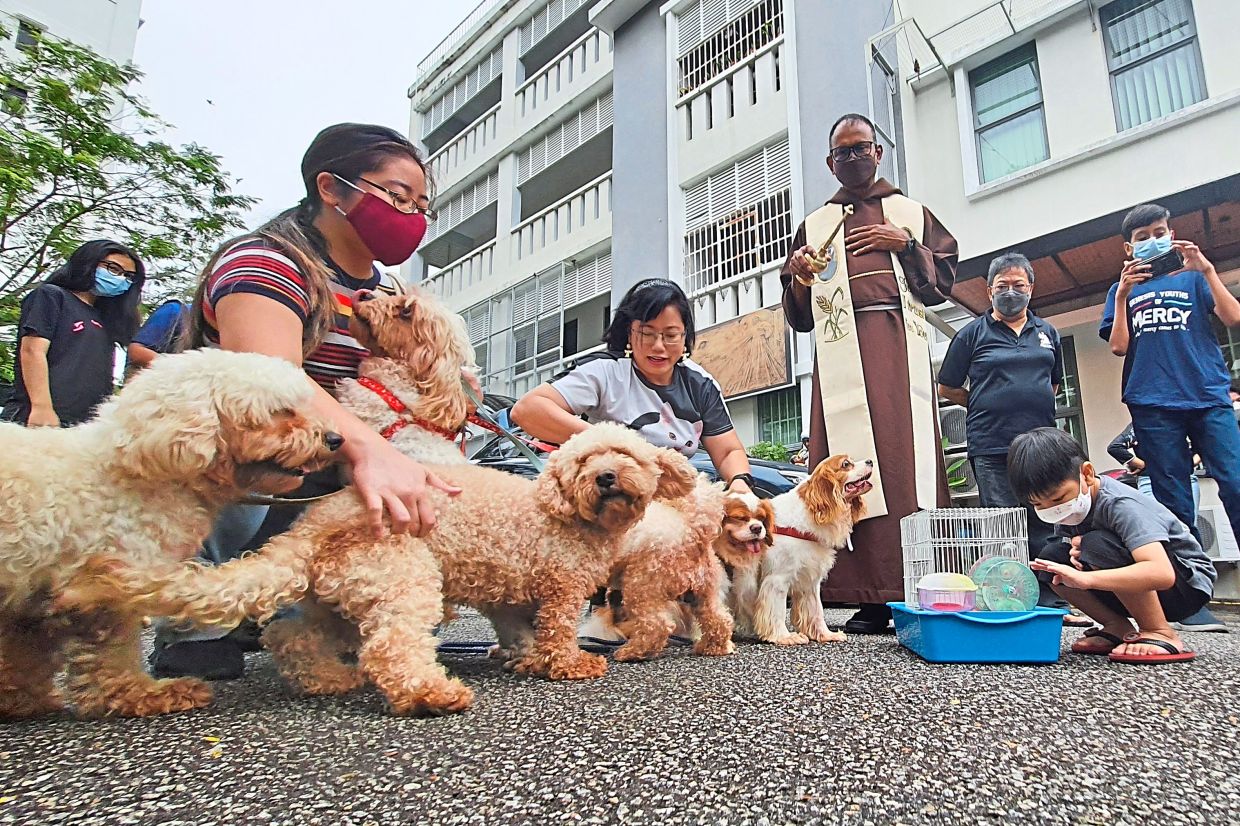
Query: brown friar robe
[{"x": 873, "y": 572}]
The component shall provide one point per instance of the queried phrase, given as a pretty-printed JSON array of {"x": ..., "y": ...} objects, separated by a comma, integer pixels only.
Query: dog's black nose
[
  {"x": 333, "y": 441},
  {"x": 606, "y": 479},
  {"x": 756, "y": 529},
  {"x": 363, "y": 295},
  {"x": 869, "y": 463}
]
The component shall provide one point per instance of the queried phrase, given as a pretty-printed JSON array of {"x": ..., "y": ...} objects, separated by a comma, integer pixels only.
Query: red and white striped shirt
[{"x": 260, "y": 267}]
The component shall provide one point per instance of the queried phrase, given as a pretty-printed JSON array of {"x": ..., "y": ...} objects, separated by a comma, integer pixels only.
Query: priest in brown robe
[{"x": 872, "y": 388}]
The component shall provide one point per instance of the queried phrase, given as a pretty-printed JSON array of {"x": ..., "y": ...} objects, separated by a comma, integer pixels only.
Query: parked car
[{"x": 770, "y": 478}]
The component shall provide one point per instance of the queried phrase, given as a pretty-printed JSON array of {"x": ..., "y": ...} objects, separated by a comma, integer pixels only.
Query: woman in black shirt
[{"x": 67, "y": 335}]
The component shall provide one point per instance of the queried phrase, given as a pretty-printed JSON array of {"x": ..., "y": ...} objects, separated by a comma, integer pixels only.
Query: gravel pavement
[{"x": 856, "y": 733}]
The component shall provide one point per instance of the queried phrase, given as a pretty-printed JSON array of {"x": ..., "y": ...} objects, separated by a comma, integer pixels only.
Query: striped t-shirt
[{"x": 258, "y": 266}]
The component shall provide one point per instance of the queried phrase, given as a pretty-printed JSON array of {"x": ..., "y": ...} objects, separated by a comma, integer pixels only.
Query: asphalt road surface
[{"x": 855, "y": 733}]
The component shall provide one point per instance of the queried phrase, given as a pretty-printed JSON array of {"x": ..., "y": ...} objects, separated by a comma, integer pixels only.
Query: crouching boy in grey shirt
[{"x": 1124, "y": 555}]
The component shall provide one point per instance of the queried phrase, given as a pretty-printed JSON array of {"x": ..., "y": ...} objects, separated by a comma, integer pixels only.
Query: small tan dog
[
  {"x": 681, "y": 548},
  {"x": 814, "y": 520},
  {"x": 140, "y": 484}
]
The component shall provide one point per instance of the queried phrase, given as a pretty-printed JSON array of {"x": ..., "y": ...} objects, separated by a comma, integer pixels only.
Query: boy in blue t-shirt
[
  {"x": 159, "y": 334},
  {"x": 1175, "y": 380}
]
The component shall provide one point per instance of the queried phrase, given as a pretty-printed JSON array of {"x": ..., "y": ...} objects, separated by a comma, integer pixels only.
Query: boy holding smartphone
[{"x": 1175, "y": 380}]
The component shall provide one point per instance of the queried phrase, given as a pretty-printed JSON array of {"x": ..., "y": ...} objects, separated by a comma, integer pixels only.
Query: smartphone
[{"x": 1169, "y": 262}]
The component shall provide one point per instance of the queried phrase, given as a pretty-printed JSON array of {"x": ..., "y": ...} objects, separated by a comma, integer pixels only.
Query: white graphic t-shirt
[{"x": 605, "y": 387}]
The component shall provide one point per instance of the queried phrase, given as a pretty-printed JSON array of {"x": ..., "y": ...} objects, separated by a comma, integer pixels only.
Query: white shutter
[
  {"x": 587, "y": 122},
  {"x": 472, "y": 200},
  {"x": 546, "y": 20},
  {"x": 458, "y": 94}
]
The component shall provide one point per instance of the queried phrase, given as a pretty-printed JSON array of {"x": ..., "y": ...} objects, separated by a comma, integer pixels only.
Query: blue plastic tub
[{"x": 980, "y": 636}]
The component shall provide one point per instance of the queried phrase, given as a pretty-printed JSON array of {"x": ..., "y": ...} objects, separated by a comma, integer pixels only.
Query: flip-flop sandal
[
  {"x": 1083, "y": 647},
  {"x": 1173, "y": 655}
]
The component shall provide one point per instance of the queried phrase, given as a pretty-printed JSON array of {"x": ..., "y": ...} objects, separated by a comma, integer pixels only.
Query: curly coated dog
[{"x": 140, "y": 485}]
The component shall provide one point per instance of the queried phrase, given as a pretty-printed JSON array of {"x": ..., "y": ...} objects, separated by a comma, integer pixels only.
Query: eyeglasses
[
  {"x": 117, "y": 269},
  {"x": 864, "y": 149},
  {"x": 671, "y": 338},
  {"x": 403, "y": 203},
  {"x": 1020, "y": 288}
]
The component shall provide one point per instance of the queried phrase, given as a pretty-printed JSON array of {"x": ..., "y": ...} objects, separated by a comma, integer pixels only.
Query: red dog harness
[{"x": 404, "y": 420}]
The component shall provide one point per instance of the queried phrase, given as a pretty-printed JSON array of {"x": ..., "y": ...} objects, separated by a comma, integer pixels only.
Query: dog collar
[
  {"x": 398, "y": 407},
  {"x": 795, "y": 533}
]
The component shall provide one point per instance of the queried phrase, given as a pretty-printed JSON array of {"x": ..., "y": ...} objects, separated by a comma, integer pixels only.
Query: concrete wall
[
  {"x": 640, "y": 234},
  {"x": 1104, "y": 171}
]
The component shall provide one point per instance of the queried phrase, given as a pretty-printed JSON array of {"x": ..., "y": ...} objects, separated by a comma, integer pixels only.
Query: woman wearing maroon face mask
[{"x": 286, "y": 289}]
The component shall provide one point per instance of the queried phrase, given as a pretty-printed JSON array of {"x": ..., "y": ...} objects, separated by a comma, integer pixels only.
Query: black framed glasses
[
  {"x": 1020, "y": 288},
  {"x": 117, "y": 269},
  {"x": 403, "y": 203},
  {"x": 864, "y": 149}
]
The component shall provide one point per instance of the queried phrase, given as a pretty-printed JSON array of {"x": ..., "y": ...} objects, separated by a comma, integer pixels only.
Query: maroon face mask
[{"x": 390, "y": 235}]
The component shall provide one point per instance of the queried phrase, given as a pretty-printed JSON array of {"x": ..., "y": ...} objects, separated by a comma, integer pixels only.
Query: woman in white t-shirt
[{"x": 646, "y": 381}]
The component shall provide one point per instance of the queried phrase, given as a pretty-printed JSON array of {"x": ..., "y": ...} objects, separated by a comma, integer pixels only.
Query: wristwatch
[
  {"x": 748, "y": 480},
  {"x": 911, "y": 245}
]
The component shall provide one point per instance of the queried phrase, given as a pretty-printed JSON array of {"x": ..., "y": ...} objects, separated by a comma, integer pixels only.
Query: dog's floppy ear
[
  {"x": 677, "y": 478},
  {"x": 553, "y": 491},
  {"x": 766, "y": 512},
  {"x": 823, "y": 495}
]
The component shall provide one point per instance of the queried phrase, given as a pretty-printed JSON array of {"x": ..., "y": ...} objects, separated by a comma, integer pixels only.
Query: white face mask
[{"x": 1069, "y": 513}]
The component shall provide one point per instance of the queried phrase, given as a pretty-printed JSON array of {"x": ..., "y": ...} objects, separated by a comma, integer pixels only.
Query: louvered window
[
  {"x": 546, "y": 20},
  {"x": 591, "y": 120},
  {"x": 716, "y": 35},
  {"x": 738, "y": 220},
  {"x": 469, "y": 202},
  {"x": 451, "y": 101}
]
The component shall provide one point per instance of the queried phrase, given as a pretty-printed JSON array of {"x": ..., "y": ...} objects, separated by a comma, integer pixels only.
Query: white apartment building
[
  {"x": 515, "y": 111},
  {"x": 109, "y": 27},
  {"x": 1034, "y": 125}
]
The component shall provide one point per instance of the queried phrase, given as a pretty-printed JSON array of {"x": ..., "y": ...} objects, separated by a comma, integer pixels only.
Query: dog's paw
[
  {"x": 826, "y": 635},
  {"x": 331, "y": 682},
  {"x": 714, "y": 649},
  {"x": 579, "y": 666},
  {"x": 144, "y": 698},
  {"x": 789, "y": 639},
  {"x": 435, "y": 697},
  {"x": 630, "y": 653}
]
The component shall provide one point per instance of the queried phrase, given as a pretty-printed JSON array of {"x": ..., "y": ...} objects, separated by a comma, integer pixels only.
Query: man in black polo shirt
[{"x": 1013, "y": 364}]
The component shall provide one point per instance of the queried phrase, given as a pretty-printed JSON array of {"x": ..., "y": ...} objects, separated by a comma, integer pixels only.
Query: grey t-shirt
[
  {"x": 1138, "y": 520},
  {"x": 605, "y": 387}
]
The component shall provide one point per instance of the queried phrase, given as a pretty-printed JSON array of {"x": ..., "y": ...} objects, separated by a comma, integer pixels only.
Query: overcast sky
[{"x": 254, "y": 81}]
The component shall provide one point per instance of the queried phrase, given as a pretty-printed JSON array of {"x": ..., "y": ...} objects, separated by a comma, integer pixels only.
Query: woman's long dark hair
[
  {"x": 645, "y": 300},
  {"x": 118, "y": 313},
  {"x": 349, "y": 150}
]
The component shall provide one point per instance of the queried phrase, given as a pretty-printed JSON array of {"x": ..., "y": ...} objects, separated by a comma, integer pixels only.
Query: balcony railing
[
  {"x": 569, "y": 217},
  {"x": 463, "y": 273},
  {"x": 563, "y": 77},
  {"x": 734, "y": 93},
  {"x": 468, "y": 145},
  {"x": 429, "y": 64}
]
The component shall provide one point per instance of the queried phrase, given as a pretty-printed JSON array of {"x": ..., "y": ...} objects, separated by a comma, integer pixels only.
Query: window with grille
[
  {"x": 1008, "y": 114},
  {"x": 13, "y": 100},
  {"x": 1069, "y": 409},
  {"x": 1154, "y": 58},
  {"x": 716, "y": 35},
  {"x": 779, "y": 417},
  {"x": 738, "y": 220}
]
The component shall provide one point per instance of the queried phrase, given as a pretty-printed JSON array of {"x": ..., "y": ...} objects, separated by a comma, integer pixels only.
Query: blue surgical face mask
[
  {"x": 1151, "y": 247},
  {"x": 110, "y": 285}
]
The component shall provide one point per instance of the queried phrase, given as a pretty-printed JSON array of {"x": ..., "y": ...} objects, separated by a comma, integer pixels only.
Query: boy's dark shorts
[{"x": 1103, "y": 551}]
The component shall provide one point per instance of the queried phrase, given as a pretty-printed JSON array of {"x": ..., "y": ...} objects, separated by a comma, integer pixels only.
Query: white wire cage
[{"x": 951, "y": 540}]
